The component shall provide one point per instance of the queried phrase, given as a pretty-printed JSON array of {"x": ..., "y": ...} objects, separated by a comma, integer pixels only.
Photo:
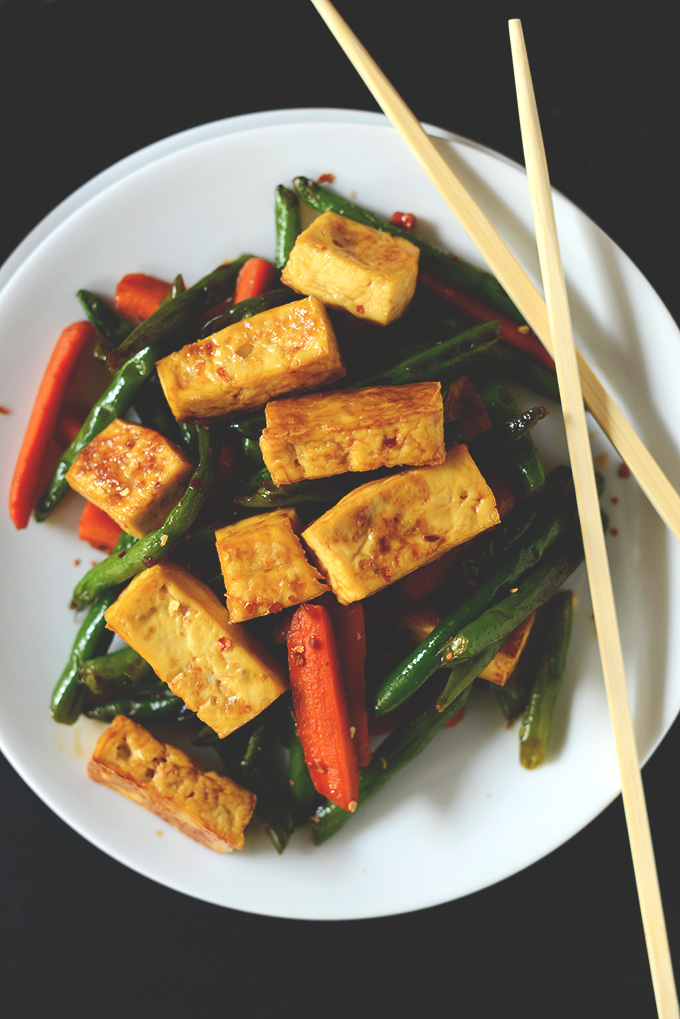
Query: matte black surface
[{"x": 85, "y": 84}]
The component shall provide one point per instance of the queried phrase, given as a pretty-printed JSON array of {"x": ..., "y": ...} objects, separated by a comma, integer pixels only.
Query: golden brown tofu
[
  {"x": 501, "y": 668},
  {"x": 180, "y": 627},
  {"x": 323, "y": 434},
  {"x": 264, "y": 565},
  {"x": 290, "y": 349},
  {"x": 210, "y": 808},
  {"x": 348, "y": 265},
  {"x": 385, "y": 529},
  {"x": 133, "y": 473}
]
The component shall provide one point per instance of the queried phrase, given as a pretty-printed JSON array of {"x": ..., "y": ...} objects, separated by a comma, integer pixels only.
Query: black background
[{"x": 84, "y": 84}]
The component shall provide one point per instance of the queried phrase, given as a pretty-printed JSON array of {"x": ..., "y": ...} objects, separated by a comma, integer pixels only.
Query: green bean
[
  {"x": 68, "y": 694},
  {"x": 531, "y": 591},
  {"x": 246, "y": 755},
  {"x": 146, "y": 551},
  {"x": 111, "y": 328},
  {"x": 484, "y": 551},
  {"x": 524, "y": 460},
  {"x": 287, "y": 224},
  {"x": 515, "y": 563},
  {"x": 513, "y": 697},
  {"x": 154, "y": 707},
  {"x": 174, "y": 320},
  {"x": 525, "y": 370},
  {"x": 534, "y": 734},
  {"x": 455, "y": 271},
  {"x": 246, "y": 309},
  {"x": 303, "y": 794},
  {"x": 464, "y": 673},
  {"x": 123, "y": 668},
  {"x": 399, "y": 748},
  {"x": 441, "y": 362}
]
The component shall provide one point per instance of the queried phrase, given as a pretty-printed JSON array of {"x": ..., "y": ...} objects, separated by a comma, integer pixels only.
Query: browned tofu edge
[{"x": 107, "y": 766}]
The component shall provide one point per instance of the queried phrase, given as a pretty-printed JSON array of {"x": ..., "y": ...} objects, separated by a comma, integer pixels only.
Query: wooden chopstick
[
  {"x": 505, "y": 267},
  {"x": 593, "y": 535}
]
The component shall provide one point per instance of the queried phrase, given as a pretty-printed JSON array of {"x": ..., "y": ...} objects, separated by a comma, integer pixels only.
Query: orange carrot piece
[
  {"x": 69, "y": 424},
  {"x": 97, "y": 528},
  {"x": 44, "y": 417},
  {"x": 138, "y": 295},
  {"x": 255, "y": 277},
  {"x": 349, "y": 626},
  {"x": 320, "y": 707},
  {"x": 516, "y": 335}
]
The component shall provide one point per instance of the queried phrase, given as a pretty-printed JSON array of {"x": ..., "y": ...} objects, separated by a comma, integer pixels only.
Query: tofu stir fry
[{"x": 326, "y": 522}]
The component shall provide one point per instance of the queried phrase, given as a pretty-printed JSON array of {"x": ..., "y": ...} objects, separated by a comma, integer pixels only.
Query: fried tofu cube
[
  {"x": 348, "y": 265},
  {"x": 133, "y": 473},
  {"x": 384, "y": 529},
  {"x": 323, "y": 434},
  {"x": 290, "y": 349},
  {"x": 500, "y": 669},
  {"x": 180, "y": 627},
  {"x": 210, "y": 808},
  {"x": 264, "y": 565}
]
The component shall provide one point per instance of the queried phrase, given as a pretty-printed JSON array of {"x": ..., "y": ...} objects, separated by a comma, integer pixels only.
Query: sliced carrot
[
  {"x": 44, "y": 417},
  {"x": 256, "y": 277},
  {"x": 69, "y": 424},
  {"x": 138, "y": 295},
  {"x": 97, "y": 528},
  {"x": 320, "y": 706},
  {"x": 517, "y": 335},
  {"x": 349, "y": 626}
]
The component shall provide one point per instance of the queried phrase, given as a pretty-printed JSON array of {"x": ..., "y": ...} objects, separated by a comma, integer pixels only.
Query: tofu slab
[
  {"x": 264, "y": 565},
  {"x": 383, "y": 530},
  {"x": 180, "y": 627},
  {"x": 210, "y": 808},
  {"x": 133, "y": 473},
  {"x": 323, "y": 434},
  {"x": 367, "y": 272},
  {"x": 290, "y": 349}
]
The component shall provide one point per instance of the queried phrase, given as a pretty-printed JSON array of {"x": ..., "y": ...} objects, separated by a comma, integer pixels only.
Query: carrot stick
[
  {"x": 138, "y": 296},
  {"x": 255, "y": 277},
  {"x": 519, "y": 336},
  {"x": 98, "y": 529},
  {"x": 69, "y": 424},
  {"x": 320, "y": 707},
  {"x": 44, "y": 417},
  {"x": 350, "y": 636}
]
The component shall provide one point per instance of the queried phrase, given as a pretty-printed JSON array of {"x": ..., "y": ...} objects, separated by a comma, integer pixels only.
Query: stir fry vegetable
[{"x": 326, "y": 518}]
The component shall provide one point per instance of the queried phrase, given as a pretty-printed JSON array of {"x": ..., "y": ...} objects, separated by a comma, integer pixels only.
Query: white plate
[{"x": 465, "y": 815}]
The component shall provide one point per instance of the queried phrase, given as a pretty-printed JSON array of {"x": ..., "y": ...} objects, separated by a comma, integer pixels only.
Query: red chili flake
[
  {"x": 76, "y": 562},
  {"x": 5, "y": 410},
  {"x": 431, "y": 537},
  {"x": 360, "y": 309},
  {"x": 197, "y": 484},
  {"x": 325, "y": 178},
  {"x": 219, "y": 370},
  {"x": 449, "y": 656},
  {"x": 224, "y": 643},
  {"x": 148, "y": 561},
  {"x": 615, "y": 499},
  {"x": 614, "y": 531},
  {"x": 406, "y": 220},
  {"x": 275, "y": 606},
  {"x": 315, "y": 643},
  {"x": 623, "y": 471},
  {"x": 250, "y": 607}
]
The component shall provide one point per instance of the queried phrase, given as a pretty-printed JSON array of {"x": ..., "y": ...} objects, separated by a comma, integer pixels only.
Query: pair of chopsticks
[{"x": 550, "y": 320}]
